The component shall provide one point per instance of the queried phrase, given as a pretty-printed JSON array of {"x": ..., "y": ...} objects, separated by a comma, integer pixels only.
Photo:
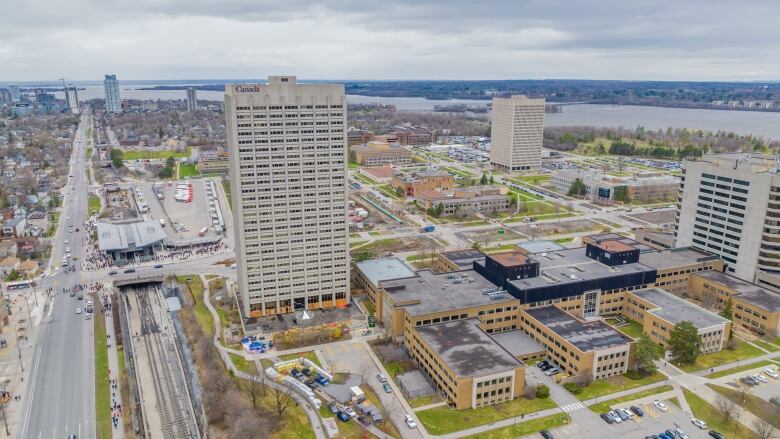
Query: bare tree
[
  {"x": 254, "y": 388},
  {"x": 247, "y": 425},
  {"x": 728, "y": 408},
  {"x": 764, "y": 428},
  {"x": 282, "y": 398}
]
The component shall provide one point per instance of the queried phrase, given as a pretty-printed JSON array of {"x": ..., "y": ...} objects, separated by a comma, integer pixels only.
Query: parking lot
[
  {"x": 763, "y": 390},
  {"x": 191, "y": 217}
]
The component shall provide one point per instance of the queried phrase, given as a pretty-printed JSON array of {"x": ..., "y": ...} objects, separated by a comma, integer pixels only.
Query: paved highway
[{"x": 60, "y": 397}]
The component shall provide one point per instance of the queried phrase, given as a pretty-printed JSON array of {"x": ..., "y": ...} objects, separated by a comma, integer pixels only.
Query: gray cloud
[{"x": 403, "y": 39}]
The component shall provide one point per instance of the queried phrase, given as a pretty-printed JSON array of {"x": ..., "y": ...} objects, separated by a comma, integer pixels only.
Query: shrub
[
  {"x": 542, "y": 391},
  {"x": 573, "y": 388}
]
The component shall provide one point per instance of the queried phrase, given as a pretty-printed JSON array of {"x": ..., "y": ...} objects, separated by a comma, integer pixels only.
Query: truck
[
  {"x": 162, "y": 222},
  {"x": 427, "y": 229}
]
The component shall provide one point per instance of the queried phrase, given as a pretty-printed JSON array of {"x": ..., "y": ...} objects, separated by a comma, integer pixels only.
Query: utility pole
[{"x": 5, "y": 421}]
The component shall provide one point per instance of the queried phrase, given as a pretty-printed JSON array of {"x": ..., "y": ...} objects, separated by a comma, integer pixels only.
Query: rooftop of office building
[
  {"x": 540, "y": 246},
  {"x": 378, "y": 270},
  {"x": 463, "y": 258},
  {"x": 674, "y": 309},
  {"x": 604, "y": 237},
  {"x": 427, "y": 292},
  {"x": 674, "y": 257},
  {"x": 749, "y": 292},
  {"x": 467, "y": 349},
  {"x": 586, "y": 336},
  {"x": 510, "y": 258},
  {"x": 749, "y": 162},
  {"x": 517, "y": 343}
]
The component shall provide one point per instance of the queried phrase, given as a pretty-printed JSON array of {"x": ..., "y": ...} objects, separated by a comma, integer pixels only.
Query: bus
[{"x": 20, "y": 285}]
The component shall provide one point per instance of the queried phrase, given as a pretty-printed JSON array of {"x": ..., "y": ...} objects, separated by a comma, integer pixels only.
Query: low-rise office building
[
  {"x": 423, "y": 180},
  {"x": 584, "y": 349},
  {"x": 658, "y": 311},
  {"x": 602, "y": 188},
  {"x": 375, "y": 153},
  {"x": 368, "y": 274},
  {"x": 656, "y": 238},
  {"x": 213, "y": 162},
  {"x": 466, "y": 364},
  {"x": 465, "y": 202},
  {"x": 753, "y": 307},
  {"x": 456, "y": 260}
]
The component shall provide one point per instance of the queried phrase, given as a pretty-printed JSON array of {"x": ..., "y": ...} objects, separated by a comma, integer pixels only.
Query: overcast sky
[{"x": 390, "y": 39}]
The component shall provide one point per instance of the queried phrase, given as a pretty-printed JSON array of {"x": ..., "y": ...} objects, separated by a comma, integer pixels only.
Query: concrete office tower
[
  {"x": 111, "y": 87},
  {"x": 192, "y": 100},
  {"x": 729, "y": 205},
  {"x": 16, "y": 96},
  {"x": 288, "y": 175},
  {"x": 517, "y": 127},
  {"x": 72, "y": 99}
]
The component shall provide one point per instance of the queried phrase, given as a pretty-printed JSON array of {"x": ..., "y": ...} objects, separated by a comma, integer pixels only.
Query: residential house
[{"x": 8, "y": 265}]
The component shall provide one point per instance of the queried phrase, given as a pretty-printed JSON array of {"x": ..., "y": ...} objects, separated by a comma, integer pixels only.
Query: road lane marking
[{"x": 31, "y": 392}]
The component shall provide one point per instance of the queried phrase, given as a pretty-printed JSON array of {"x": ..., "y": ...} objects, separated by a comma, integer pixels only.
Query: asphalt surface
[{"x": 60, "y": 394}]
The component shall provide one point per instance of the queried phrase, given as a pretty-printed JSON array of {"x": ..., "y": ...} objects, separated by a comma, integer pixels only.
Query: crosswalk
[{"x": 572, "y": 407}]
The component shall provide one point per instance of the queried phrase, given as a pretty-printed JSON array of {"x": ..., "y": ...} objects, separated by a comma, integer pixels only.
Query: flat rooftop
[
  {"x": 674, "y": 257},
  {"x": 747, "y": 291},
  {"x": 540, "y": 246},
  {"x": 674, "y": 309},
  {"x": 463, "y": 258},
  {"x": 614, "y": 246},
  {"x": 467, "y": 349},
  {"x": 752, "y": 162},
  {"x": 586, "y": 336},
  {"x": 510, "y": 258},
  {"x": 604, "y": 237},
  {"x": 428, "y": 293},
  {"x": 378, "y": 270},
  {"x": 570, "y": 266},
  {"x": 517, "y": 343}
]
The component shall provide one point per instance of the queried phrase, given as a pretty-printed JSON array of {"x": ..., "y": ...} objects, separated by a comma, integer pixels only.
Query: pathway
[{"x": 113, "y": 365}]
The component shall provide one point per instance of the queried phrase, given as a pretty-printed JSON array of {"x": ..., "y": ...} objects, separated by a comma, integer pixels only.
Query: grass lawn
[
  {"x": 709, "y": 414},
  {"x": 353, "y": 165},
  {"x": 605, "y": 406},
  {"x": 202, "y": 314},
  {"x": 740, "y": 351},
  {"x": 759, "y": 407},
  {"x": 102, "y": 388},
  {"x": 524, "y": 428},
  {"x": 767, "y": 346},
  {"x": 458, "y": 172},
  {"x": 226, "y": 186},
  {"x": 633, "y": 329},
  {"x": 356, "y": 243},
  {"x": 369, "y": 305},
  {"x": 388, "y": 426},
  {"x": 187, "y": 171},
  {"x": 363, "y": 179},
  {"x": 629, "y": 380},
  {"x": 87, "y": 153},
  {"x": 93, "y": 204},
  {"x": 425, "y": 400},
  {"x": 308, "y": 354},
  {"x": 534, "y": 179},
  {"x": 500, "y": 248},
  {"x": 563, "y": 240},
  {"x": 243, "y": 364},
  {"x": 395, "y": 368},
  {"x": 149, "y": 155},
  {"x": 742, "y": 368},
  {"x": 441, "y": 420},
  {"x": 347, "y": 430},
  {"x": 388, "y": 190}
]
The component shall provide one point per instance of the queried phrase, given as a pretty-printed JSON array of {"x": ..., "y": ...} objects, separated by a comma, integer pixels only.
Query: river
[{"x": 761, "y": 124}]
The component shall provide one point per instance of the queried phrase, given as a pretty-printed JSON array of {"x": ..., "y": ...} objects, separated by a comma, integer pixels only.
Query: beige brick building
[{"x": 517, "y": 128}]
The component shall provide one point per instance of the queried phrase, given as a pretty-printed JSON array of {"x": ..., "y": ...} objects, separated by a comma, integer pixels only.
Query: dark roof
[
  {"x": 463, "y": 258},
  {"x": 586, "y": 336},
  {"x": 467, "y": 349},
  {"x": 674, "y": 257},
  {"x": 746, "y": 291}
]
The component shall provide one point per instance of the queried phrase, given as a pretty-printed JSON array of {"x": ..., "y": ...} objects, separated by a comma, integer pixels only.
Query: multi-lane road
[{"x": 60, "y": 394}]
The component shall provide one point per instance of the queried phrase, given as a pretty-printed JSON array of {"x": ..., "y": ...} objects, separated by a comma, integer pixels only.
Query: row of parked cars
[
  {"x": 548, "y": 367},
  {"x": 309, "y": 377},
  {"x": 759, "y": 378},
  {"x": 619, "y": 415}
]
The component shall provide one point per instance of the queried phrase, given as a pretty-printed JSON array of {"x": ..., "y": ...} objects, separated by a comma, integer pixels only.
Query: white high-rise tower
[
  {"x": 288, "y": 176},
  {"x": 517, "y": 129},
  {"x": 111, "y": 87}
]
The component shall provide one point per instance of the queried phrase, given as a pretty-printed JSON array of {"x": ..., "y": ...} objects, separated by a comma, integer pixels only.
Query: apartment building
[
  {"x": 729, "y": 205},
  {"x": 517, "y": 128},
  {"x": 375, "y": 153},
  {"x": 288, "y": 171},
  {"x": 466, "y": 364},
  {"x": 192, "y": 100},
  {"x": 413, "y": 135},
  {"x": 659, "y": 311},
  {"x": 111, "y": 89},
  {"x": 584, "y": 349},
  {"x": 356, "y": 136},
  {"x": 753, "y": 307},
  {"x": 412, "y": 182}
]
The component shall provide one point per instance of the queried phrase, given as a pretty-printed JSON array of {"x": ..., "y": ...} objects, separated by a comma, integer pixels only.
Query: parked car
[
  {"x": 333, "y": 408},
  {"x": 622, "y": 413},
  {"x": 699, "y": 423},
  {"x": 382, "y": 379},
  {"x": 552, "y": 371},
  {"x": 387, "y": 388},
  {"x": 607, "y": 418},
  {"x": 311, "y": 383},
  {"x": 679, "y": 432},
  {"x": 158, "y": 266},
  {"x": 665, "y": 436},
  {"x": 295, "y": 373},
  {"x": 410, "y": 421},
  {"x": 546, "y": 434},
  {"x": 716, "y": 435},
  {"x": 760, "y": 377},
  {"x": 542, "y": 364},
  {"x": 771, "y": 373},
  {"x": 306, "y": 371},
  {"x": 637, "y": 410},
  {"x": 321, "y": 380},
  {"x": 775, "y": 400},
  {"x": 660, "y": 406},
  {"x": 615, "y": 417},
  {"x": 351, "y": 413},
  {"x": 343, "y": 416}
]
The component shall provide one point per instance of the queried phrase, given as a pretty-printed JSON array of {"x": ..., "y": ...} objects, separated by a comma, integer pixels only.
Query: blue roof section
[
  {"x": 378, "y": 270},
  {"x": 540, "y": 246}
]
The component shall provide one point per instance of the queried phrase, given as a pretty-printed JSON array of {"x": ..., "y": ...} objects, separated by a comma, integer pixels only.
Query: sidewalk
[{"x": 113, "y": 367}]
